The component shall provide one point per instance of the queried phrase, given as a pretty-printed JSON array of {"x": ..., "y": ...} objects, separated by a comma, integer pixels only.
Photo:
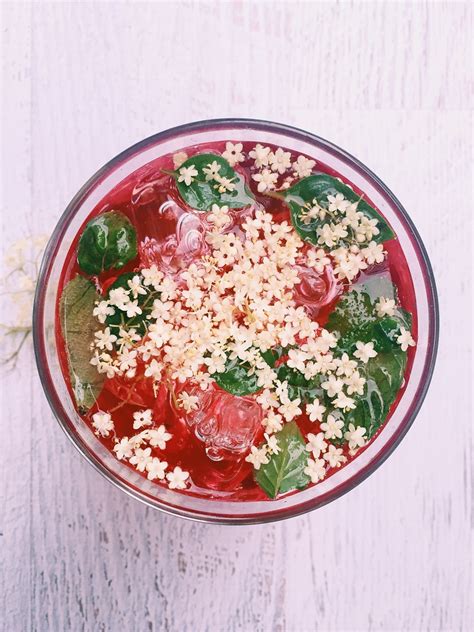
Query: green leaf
[
  {"x": 201, "y": 194},
  {"x": 78, "y": 326},
  {"x": 384, "y": 375},
  {"x": 145, "y": 302},
  {"x": 108, "y": 242},
  {"x": 299, "y": 387},
  {"x": 285, "y": 470},
  {"x": 355, "y": 318},
  {"x": 235, "y": 379},
  {"x": 318, "y": 187}
]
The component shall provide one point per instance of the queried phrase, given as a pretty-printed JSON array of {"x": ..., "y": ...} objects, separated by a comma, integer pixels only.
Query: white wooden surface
[{"x": 391, "y": 83}]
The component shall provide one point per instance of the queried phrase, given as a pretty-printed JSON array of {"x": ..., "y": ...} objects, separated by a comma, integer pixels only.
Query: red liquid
[{"x": 140, "y": 196}]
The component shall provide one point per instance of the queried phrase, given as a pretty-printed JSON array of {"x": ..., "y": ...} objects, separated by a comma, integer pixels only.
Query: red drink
[{"x": 219, "y": 436}]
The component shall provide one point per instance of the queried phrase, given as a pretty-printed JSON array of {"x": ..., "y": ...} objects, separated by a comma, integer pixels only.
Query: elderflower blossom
[
  {"x": 315, "y": 469},
  {"x": 303, "y": 166},
  {"x": 102, "y": 422},
  {"x": 332, "y": 427},
  {"x": 405, "y": 339},
  {"x": 156, "y": 469},
  {"x": 334, "y": 456},
  {"x": 355, "y": 436},
  {"x": 177, "y": 478},
  {"x": 365, "y": 351},
  {"x": 257, "y": 457},
  {"x": 187, "y": 175},
  {"x": 266, "y": 180},
  {"x": 233, "y": 153},
  {"x": 260, "y": 155},
  {"x": 142, "y": 418},
  {"x": 385, "y": 307}
]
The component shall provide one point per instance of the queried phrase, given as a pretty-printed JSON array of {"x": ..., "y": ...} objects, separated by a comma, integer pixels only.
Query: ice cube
[
  {"x": 315, "y": 289},
  {"x": 225, "y": 423}
]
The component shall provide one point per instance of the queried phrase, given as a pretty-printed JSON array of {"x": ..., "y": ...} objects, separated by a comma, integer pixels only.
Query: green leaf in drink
[
  {"x": 214, "y": 182},
  {"x": 78, "y": 326},
  {"x": 108, "y": 242},
  {"x": 284, "y": 471}
]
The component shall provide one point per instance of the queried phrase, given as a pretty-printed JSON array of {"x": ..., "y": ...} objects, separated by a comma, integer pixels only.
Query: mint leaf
[
  {"x": 202, "y": 193},
  {"x": 384, "y": 375},
  {"x": 145, "y": 302},
  {"x": 285, "y": 470},
  {"x": 355, "y": 318},
  {"x": 318, "y": 187},
  {"x": 108, "y": 242},
  {"x": 78, "y": 326}
]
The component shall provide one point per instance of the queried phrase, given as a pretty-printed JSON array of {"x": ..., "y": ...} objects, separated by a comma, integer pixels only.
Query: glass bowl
[{"x": 181, "y": 504}]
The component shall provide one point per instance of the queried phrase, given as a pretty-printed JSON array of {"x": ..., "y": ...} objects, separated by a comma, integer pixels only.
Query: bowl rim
[{"x": 217, "y": 124}]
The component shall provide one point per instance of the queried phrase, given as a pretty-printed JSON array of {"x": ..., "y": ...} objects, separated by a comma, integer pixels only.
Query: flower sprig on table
[{"x": 22, "y": 260}]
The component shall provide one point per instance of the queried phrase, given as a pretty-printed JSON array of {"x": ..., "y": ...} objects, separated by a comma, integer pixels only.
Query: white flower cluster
[
  {"x": 18, "y": 285},
  {"x": 212, "y": 174},
  {"x": 271, "y": 165},
  {"x": 138, "y": 449}
]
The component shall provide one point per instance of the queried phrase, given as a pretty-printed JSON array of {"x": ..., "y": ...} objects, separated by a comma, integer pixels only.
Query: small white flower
[
  {"x": 334, "y": 456},
  {"x": 290, "y": 409},
  {"x": 266, "y": 180},
  {"x": 315, "y": 410},
  {"x": 154, "y": 370},
  {"x": 141, "y": 459},
  {"x": 142, "y": 418},
  {"x": 332, "y": 427},
  {"x": 211, "y": 171},
  {"x": 102, "y": 423},
  {"x": 345, "y": 366},
  {"x": 187, "y": 175},
  {"x": 315, "y": 469},
  {"x": 152, "y": 276},
  {"x": 365, "y": 351},
  {"x": 102, "y": 310},
  {"x": 127, "y": 337},
  {"x": 233, "y": 153},
  {"x": 355, "y": 383},
  {"x": 257, "y": 457},
  {"x": 316, "y": 444},
  {"x": 119, "y": 297},
  {"x": 123, "y": 449},
  {"x": 158, "y": 437},
  {"x": 156, "y": 469},
  {"x": 188, "y": 402},
  {"x": 261, "y": 155},
  {"x": 272, "y": 444},
  {"x": 333, "y": 385},
  {"x": 177, "y": 478},
  {"x": 135, "y": 286},
  {"x": 280, "y": 160},
  {"x": 132, "y": 309},
  {"x": 344, "y": 402},
  {"x": 405, "y": 339},
  {"x": 385, "y": 307},
  {"x": 105, "y": 339},
  {"x": 355, "y": 436},
  {"x": 338, "y": 203},
  {"x": 373, "y": 253},
  {"x": 273, "y": 422},
  {"x": 303, "y": 166}
]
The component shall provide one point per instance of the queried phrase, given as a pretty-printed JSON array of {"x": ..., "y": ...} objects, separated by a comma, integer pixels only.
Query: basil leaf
[
  {"x": 108, "y": 242},
  {"x": 299, "y": 387},
  {"x": 202, "y": 193},
  {"x": 78, "y": 326},
  {"x": 318, "y": 187},
  {"x": 145, "y": 302},
  {"x": 384, "y": 375},
  {"x": 285, "y": 470},
  {"x": 235, "y": 379}
]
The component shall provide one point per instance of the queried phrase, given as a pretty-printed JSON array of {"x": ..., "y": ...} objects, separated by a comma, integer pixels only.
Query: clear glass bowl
[{"x": 180, "y": 504}]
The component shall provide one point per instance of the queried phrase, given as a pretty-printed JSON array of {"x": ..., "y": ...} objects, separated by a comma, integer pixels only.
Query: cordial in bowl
[{"x": 235, "y": 321}]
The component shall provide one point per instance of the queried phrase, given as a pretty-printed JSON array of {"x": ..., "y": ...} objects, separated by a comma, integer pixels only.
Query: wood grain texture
[{"x": 390, "y": 82}]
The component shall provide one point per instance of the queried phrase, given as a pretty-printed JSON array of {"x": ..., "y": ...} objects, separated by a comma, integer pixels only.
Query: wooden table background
[{"x": 390, "y": 82}]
